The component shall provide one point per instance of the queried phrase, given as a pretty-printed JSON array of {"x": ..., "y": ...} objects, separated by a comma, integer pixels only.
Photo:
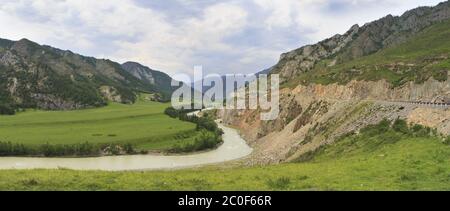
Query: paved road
[{"x": 422, "y": 104}]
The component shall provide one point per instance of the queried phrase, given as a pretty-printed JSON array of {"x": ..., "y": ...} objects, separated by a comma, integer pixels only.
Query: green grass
[
  {"x": 143, "y": 124},
  {"x": 388, "y": 161},
  {"x": 421, "y": 57}
]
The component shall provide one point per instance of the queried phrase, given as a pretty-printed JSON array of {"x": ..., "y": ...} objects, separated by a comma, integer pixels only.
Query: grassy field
[
  {"x": 387, "y": 161},
  {"x": 143, "y": 124}
]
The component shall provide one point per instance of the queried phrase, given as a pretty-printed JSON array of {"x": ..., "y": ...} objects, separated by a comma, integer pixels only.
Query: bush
[
  {"x": 401, "y": 126},
  {"x": 211, "y": 134},
  {"x": 48, "y": 150},
  {"x": 129, "y": 149},
  {"x": 82, "y": 149},
  {"x": 206, "y": 140},
  {"x": 281, "y": 183},
  {"x": 390, "y": 137},
  {"x": 6, "y": 109},
  {"x": 373, "y": 130},
  {"x": 420, "y": 131},
  {"x": 447, "y": 140},
  {"x": 10, "y": 149}
]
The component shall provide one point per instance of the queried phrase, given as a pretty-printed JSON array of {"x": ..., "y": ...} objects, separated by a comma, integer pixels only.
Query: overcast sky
[{"x": 225, "y": 36}]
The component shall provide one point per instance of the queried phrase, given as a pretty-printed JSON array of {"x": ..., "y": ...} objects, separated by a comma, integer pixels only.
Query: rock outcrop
[
  {"x": 160, "y": 81},
  {"x": 139, "y": 71},
  {"x": 361, "y": 41},
  {"x": 315, "y": 114}
]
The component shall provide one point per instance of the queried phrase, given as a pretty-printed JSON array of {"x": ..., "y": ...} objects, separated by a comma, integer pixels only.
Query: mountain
[
  {"x": 348, "y": 82},
  {"x": 359, "y": 41},
  {"x": 197, "y": 85},
  {"x": 161, "y": 81},
  {"x": 264, "y": 72},
  {"x": 39, "y": 76}
]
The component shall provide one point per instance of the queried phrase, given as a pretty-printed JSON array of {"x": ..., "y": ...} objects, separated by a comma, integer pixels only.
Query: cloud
[
  {"x": 222, "y": 35},
  {"x": 318, "y": 19},
  {"x": 183, "y": 46}
]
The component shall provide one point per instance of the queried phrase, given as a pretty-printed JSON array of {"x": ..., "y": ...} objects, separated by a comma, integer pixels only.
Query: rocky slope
[
  {"x": 36, "y": 76},
  {"x": 361, "y": 41},
  {"x": 160, "y": 80},
  {"x": 315, "y": 114}
]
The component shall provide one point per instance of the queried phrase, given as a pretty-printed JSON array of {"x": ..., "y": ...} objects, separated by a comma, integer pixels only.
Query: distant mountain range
[
  {"x": 40, "y": 76},
  {"x": 197, "y": 85}
]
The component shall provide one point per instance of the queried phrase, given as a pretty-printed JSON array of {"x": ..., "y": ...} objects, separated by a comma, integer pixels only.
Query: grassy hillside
[
  {"x": 423, "y": 56},
  {"x": 379, "y": 158},
  {"x": 143, "y": 124},
  {"x": 39, "y": 76}
]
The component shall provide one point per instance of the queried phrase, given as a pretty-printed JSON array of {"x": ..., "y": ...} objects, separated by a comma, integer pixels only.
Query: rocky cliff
[
  {"x": 361, "y": 41},
  {"x": 315, "y": 114}
]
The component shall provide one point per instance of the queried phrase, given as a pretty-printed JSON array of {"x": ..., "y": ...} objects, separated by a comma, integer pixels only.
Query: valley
[
  {"x": 232, "y": 148},
  {"x": 368, "y": 109},
  {"x": 391, "y": 161},
  {"x": 107, "y": 127}
]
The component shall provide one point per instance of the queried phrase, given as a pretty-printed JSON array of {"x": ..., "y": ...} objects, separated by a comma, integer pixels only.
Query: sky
[{"x": 173, "y": 36}]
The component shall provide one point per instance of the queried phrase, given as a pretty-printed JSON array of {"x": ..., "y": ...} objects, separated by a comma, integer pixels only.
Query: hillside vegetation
[
  {"x": 39, "y": 76},
  {"x": 381, "y": 157},
  {"x": 424, "y": 56},
  {"x": 392, "y": 59},
  {"x": 143, "y": 125}
]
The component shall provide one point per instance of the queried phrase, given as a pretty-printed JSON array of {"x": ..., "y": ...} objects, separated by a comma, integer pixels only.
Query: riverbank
[
  {"x": 408, "y": 164},
  {"x": 233, "y": 147},
  {"x": 116, "y": 129}
]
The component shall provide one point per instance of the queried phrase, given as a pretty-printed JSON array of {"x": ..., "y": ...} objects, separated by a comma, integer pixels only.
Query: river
[{"x": 233, "y": 148}]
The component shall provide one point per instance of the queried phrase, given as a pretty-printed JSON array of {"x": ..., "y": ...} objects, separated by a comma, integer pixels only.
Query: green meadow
[
  {"x": 380, "y": 158},
  {"x": 143, "y": 124}
]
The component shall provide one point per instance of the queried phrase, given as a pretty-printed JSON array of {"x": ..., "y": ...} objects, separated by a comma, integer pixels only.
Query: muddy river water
[{"x": 234, "y": 147}]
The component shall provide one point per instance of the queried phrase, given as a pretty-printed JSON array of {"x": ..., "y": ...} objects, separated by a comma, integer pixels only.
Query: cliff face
[
  {"x": 381, "y": 90},
  {"x": 361, "y": 41},
  {"x": 315, "y": 114},
  {"x": 139, "y": 71},
  {"x": 160, "y": 81}
]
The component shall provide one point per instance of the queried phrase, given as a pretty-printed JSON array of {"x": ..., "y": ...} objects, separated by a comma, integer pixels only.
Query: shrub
[
  {"x": 30, "y": 182},
  {"x": 10, "y": 149},
  {"x": 379, "y": 128},
  {"x": 390, "y": 137},
  {"x": 206, "y": 140},
  {"x": 447, "y": 140},
  {"x": 48, "y": 150},
  {"x": 420, "y": 131},
  {"x": 281, "y": 183},
  {"x": 199, "y": 184},
  {"x": 211, "y": 134},
  {"x": 302, "y": 178},
  {"x": 401, "y": 126},
  {"x": 6, "y": 109},
  {"x": 129, "y": 149},
  {"x": 309, "y": 155}
]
